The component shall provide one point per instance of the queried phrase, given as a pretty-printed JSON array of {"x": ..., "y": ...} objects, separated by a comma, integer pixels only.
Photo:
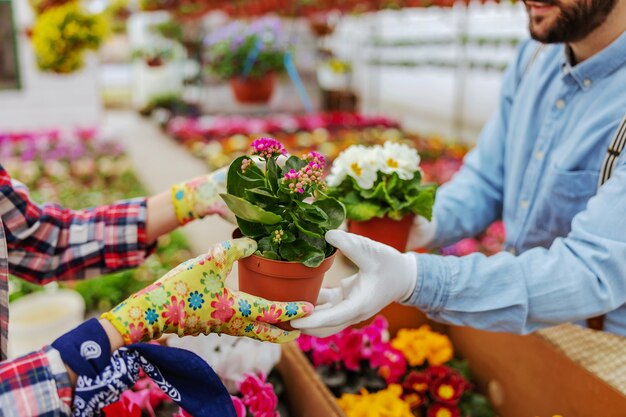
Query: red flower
[
  {"x": 443, "y": 410},
  {"x": 416, "y": 382},
  {"x": 174, "y": 313},
  {"x": 436, "y": 372},
  {"x": 223, "y": 307},
  {"x": 449, "y": 388}
]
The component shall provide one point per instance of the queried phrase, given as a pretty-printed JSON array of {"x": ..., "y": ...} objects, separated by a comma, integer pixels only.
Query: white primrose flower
[
  {"x": 359, "y": 162},
  {"x": 400, "y": 158}
]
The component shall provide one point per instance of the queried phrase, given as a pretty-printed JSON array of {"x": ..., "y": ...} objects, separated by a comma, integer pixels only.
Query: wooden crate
[
  {"x": 524, "y": 376},
  {"x": 307, "y": 396}
]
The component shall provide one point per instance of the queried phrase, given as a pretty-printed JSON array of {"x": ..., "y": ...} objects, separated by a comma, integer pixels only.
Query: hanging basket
[{"x": 253, "y": 90}]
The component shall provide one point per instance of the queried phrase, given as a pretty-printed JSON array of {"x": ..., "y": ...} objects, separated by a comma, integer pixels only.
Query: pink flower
[
  {"x": 174, "y": 313},
  {"x": 271, "y": 315},
  {"x": 263, "y": 401},
  {"x": 155, "y": 394},
  {"x": 251, "y": 384},
  {"x": 390, "y": 362},
  {"x": 324, "y": 354},
  {"x": 267, "y": 148},
  {"x": 350, "y": 347},
  {"x": 306, "y": 342},
  {"x": 240, "y": 408},
  {"x": 223, "y": 307}
]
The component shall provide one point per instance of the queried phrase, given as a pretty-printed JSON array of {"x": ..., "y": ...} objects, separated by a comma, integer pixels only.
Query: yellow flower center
[
  {"x": 420, "y": 387},
  {"x": 446, "y": 391},
  {"x": 392, "y": 163},
  {"x": 356, "y": 169},
  {"x": 413, "y": 400},
  {"x": 443, "y": 413}
]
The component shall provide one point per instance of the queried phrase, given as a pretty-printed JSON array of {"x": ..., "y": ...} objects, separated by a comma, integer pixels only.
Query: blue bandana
[{"x": 103, "y": 377}]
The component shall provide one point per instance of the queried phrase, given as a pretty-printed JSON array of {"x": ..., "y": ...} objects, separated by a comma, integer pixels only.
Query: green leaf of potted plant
[
  {"x": 284, "y": 207},
  {"x": 382, "y": 191}
]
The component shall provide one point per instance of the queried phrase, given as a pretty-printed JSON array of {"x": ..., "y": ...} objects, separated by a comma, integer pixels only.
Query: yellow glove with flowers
[
  {"x": 192, "y": 299},
  {"x": 200, "y": 197}
]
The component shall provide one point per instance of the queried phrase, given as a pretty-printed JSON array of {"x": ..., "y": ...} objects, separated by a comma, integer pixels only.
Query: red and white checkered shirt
[{"x": 43, "y": 243}]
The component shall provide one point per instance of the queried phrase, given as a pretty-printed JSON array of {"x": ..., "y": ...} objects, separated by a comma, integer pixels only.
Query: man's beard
[{"x": 574, "y": 22}]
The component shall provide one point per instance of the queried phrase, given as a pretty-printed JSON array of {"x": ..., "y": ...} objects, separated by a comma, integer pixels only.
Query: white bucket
[{"x": 38, "y": 319}]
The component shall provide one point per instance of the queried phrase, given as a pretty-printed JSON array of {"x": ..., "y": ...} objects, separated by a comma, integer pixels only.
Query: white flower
[
  {"x": 400, "y": 158},
  {"x": 359, "y": 162}
]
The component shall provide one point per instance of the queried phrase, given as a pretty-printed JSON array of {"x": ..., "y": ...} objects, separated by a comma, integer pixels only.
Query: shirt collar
[{"x": 599, "y": 66}]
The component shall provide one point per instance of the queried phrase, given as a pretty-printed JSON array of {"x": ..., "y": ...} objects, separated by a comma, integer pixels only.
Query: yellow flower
[
  {"x": 420, "y": 345},
  {"x": 385, "y": 403},
  {"x": 62, "y": 34}
]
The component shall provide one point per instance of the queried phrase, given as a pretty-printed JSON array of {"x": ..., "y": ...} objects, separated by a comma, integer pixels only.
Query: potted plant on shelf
[
  {"x": 381, "y": 189},
  {"x": 249, "y": 57},
  {"x": 284, "y": 207}
]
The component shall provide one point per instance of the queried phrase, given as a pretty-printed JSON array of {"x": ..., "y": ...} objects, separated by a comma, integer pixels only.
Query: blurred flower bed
[
  {"x": 82, "y": 170},
  {"x": 220, "y": 139},
  {"x": 413, "y": 374}
]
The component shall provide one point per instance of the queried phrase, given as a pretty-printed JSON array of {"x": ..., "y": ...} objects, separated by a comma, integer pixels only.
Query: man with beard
[{"x": 538, "y": 165}]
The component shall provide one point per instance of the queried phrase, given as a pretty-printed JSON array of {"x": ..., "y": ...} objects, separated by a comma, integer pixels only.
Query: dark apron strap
[{"x": 615, "y": 148}]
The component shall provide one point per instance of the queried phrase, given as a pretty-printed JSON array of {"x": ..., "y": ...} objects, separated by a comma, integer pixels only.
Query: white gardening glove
[
  {"x": 422, "y": 233},
  {"x": 385, "y": 275}
]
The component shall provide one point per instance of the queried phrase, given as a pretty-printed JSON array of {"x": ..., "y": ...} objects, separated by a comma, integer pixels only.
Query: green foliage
[
  {"x": 390, "y": 196},
  {"x": 285, "y": 226},
  {"x": 229, "y": 55}
]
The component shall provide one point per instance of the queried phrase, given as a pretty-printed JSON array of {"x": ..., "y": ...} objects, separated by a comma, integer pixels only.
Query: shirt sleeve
[
  {"x": 579, "y": 276},
  {"x": 35, "y": 385},
  {"x": 48, "y": 242},
  {"x": 472, "y": 199}
]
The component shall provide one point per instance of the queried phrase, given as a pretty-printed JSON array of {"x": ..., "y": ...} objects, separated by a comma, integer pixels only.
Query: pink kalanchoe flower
[
  {"x": 267, "y": 148},
  {"x": 245, "y": 164}
]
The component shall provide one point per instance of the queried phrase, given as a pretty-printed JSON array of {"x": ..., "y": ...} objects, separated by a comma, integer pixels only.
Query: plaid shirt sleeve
[
  {"x": 48, "y": 242},
  {"x": 35, "y": 385}
]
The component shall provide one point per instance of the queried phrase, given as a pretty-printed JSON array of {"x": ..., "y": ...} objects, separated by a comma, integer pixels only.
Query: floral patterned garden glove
[
  {"x": 200, "y": 197},
  {"x": 192, "y": 299}
]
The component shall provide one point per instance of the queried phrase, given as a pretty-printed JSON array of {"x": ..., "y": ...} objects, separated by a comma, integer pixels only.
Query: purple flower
[{"x": 267, "y": 148}]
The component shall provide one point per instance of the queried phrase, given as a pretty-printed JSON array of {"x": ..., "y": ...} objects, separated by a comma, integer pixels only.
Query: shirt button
[
  {"x": 560, "y": 104},
  {"x": 512, "y": 251},
  {"x": 587, "y": 83},
  {"x": 539, "y": 155},
  {"x": 523, "y": 204}
]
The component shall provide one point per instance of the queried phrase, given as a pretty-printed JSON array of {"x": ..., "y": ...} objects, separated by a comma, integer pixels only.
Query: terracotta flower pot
[
  {"x": 281, "y": 280},
  {"x": 394, "y": 233},
  {"x": 253, "y": 90}
]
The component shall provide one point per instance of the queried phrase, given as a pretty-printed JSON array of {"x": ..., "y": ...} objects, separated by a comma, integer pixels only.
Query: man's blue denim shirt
[{"x": 536, "y": 166}]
